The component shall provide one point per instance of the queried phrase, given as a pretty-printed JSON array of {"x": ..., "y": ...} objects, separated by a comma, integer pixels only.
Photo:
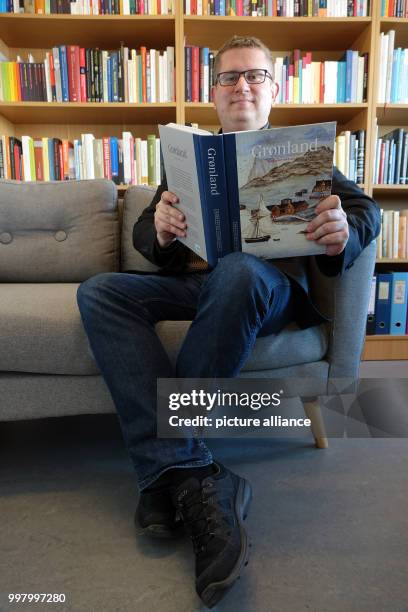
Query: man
[{"x": 242, "y": 298}]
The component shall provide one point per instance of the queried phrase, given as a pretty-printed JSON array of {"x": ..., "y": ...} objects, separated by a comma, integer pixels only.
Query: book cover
[
  {"x": 276, "y": 178},
  {"x": 252, "y": 191}
]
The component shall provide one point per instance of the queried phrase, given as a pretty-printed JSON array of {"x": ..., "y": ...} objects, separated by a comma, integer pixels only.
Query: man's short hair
[{"x": 243, "y": 42}]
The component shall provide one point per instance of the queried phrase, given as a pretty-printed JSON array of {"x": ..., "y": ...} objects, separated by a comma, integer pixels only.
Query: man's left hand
[{"x": 330, "y": 226}]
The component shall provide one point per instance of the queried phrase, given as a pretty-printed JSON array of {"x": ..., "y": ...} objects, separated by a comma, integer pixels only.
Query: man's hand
[
  {"x": 330, "y": 226},
  {"x": 168, "y": 221}
]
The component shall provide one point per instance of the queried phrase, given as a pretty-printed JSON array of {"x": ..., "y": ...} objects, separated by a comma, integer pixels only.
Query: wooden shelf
[
  {"x": 88, "y": 112},
  {"x": 283, "y": 114},
  {"x": 384, "y": 348},
  {"x": 392, "y": 114},
  {"x": 389, "y": 260},
  {"x": 278, "y": 33},
  {"x": 103, "y": 31}
]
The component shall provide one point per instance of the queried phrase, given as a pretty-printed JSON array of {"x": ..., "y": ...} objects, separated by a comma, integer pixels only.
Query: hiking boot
[
  {"x": 213, "y": 511},
  {"x": 157, "y": 516}
]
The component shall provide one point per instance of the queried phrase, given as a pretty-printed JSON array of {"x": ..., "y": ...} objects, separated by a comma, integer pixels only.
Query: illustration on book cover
[{"x": 282, "y": 176}]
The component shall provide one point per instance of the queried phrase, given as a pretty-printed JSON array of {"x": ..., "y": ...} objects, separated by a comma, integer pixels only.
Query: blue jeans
[{"x": 242, "y": 298}]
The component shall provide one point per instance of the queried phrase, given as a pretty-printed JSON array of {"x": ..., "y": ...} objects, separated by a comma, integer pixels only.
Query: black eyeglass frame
[{"x": 243, "y": 72}]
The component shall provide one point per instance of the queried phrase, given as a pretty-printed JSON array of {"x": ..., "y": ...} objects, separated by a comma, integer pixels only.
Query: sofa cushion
[
  {"x": 290, "y": 347},
  {"x": 42, "y": 332},
  {"x": 57, "y": 231}
]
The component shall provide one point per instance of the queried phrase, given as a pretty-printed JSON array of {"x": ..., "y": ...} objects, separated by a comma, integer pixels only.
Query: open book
[{"x": 252, "y": 191}]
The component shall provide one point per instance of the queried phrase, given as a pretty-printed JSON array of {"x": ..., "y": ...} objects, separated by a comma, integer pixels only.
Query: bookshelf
[{"x": 327, "y": 38}]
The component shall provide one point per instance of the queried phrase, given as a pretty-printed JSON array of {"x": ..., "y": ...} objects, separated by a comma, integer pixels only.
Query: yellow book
[
  {"x": 11, "y": 75},
  {"x": 46, "y": 159},
  {"x": 295, "y": 90}
]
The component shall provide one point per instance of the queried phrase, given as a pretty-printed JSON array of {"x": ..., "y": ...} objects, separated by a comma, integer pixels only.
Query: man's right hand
[{"x": 168, "y": 221}]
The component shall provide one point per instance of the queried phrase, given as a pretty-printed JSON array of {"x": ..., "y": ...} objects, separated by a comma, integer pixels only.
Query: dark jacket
[{"x": 363, "y": 216}]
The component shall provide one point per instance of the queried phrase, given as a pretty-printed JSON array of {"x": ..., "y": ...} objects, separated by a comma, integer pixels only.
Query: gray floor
[{"x": 329, "y": 528}]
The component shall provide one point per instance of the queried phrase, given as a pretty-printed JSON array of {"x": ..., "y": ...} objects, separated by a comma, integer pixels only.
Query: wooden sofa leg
[{"x": 313, "y": 412}]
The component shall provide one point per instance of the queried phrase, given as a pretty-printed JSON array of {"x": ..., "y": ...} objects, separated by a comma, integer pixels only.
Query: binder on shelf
[
  {"x": 370, "y": 328},
  {"x": 398, "y": 319},
  {"x": 383, "y": 303}
]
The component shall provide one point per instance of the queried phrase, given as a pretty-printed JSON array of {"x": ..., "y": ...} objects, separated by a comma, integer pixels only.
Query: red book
[
  {"x": 74, "y": 78},
  {"x": 38, "y": 160},
  {"x": 195, "y": 73},
  {"x": 82, "y": 74},
  {"x": 52, "y": 77},
  {"x": 17, "y": 161},
  {"x": 66, "y": 146},
  {"x": 321, "y": 83},
  {"x": 240, "y": 7},
  {"x": 144, "y": 91},
  {"x": 107, "y": 170},
  {"x": 290, "y": 74}
]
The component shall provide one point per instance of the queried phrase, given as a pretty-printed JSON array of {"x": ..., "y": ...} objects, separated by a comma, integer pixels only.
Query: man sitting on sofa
[{"x": 242, "y": 298}]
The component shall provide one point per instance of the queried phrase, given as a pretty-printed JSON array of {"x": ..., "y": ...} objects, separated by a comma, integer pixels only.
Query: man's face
[{"x": 243, "y": 106}]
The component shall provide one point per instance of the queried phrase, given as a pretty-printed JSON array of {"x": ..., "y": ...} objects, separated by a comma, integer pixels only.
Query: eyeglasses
[{"x": 256, "y": 76}]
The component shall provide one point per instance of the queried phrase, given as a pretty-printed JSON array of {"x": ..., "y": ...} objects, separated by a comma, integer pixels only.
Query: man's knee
[
  {"x": 91, "y": 288},
  {"x": 244, "y": 271}
]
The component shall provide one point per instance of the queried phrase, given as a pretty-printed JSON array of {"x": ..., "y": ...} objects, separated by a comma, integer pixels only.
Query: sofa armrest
[{"x": 346, "y": 298}]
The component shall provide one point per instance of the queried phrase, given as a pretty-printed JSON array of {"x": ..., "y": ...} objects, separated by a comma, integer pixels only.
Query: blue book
[
  {"x": 396, "y": 136},
  {"x": 341, "y": 82},
  {"x": 51, "y": 159},
  {"x": 3, "y": 6},
  {"x": 398, "y": 318},
  {"x": 114, "y": 158},
  {"x": 222, "y": 7},
  {"x": 348, "y": 59},
  {"x": 383, "y": 303},
  {"x": 194, "y": 164},
  {"x": 64, "y": 73},
  {"x": 241, "y": 192},
  {"x": 395, "y": 74}
]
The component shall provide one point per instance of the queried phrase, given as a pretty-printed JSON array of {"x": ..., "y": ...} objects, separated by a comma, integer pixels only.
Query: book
[{"x": 253, "y": 191}]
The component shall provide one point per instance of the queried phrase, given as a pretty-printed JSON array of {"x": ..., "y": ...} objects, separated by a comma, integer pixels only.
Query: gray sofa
[{"x": 55, "y": 235}]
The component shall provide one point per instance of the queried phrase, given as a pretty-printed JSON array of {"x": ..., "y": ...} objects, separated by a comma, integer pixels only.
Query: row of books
[
  {"x": 392, "y": 242},
  {"x": 89, "y": 7},
  {"x": 300, "y": 79},
  {"x": 279, "y": 8},
  {"x": 74, "y": 74},
  {"x": 391, "y": 158},
  {"x": 387, "y": 309},
  {"x": 127, "y": 160},
  {"x": 394, "y": 8},
  {"x": 349, "y": 154},
  {"x": 393, "y": 71}
]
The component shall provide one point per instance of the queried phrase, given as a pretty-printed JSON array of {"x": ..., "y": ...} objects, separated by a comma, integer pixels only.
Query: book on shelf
[
  {"x": 393, "y": 71},
  {"x": 391, "y": 158},
  {"x": 301, "y": 80},
  {"x": 394, "y": 8},
  {"x": 252, "y": 191},
  {"x": 392, "y": 242},
  {"x": 70, "y": 73},
  {"x": 127, "y": 160},
  {"x": 278, "y": 8},
  {"x": 89, "y": 7}
]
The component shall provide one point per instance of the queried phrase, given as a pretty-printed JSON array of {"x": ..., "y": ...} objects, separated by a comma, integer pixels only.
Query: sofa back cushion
[
  {"x": 136, "y": 200},
  {"x": 58, "y": 231}
]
